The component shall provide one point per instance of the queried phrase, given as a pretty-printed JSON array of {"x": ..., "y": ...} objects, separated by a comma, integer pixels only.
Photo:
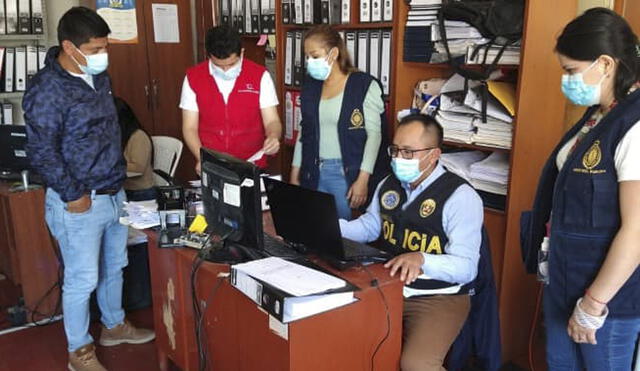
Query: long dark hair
[
  {"x": 330, "y": 38},
  {"x": 601, "y": 31}
]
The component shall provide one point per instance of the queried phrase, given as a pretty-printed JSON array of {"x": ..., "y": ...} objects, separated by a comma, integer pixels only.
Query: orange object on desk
[{"x": 240, "y": 336}]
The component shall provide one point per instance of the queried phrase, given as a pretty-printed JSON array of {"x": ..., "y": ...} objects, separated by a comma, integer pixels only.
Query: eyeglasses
[{"x": 407, "y": 154}]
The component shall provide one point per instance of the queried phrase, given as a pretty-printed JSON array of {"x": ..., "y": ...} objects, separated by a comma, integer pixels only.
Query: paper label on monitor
[
  {"x": 231, "y": 194},
  {"x": 278, "y": 328},
  {"x": 205, "y": 180},
  {"x": 247, "y": 183},
  {"x": 215, "y": 194}
]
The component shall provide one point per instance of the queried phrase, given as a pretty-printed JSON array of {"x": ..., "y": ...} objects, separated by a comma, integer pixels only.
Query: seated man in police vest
[{"x": 431, "y": 220}]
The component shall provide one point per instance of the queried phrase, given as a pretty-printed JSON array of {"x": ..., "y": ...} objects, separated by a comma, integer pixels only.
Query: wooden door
[
  {"x": 168, "y": 63},
  {"x": 128, "y": 68}
]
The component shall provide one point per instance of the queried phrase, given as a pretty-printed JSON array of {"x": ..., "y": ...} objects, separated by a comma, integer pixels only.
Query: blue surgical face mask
[
  {"x": 230, "y": 74},
  {"x": 96, "y": 63},
  {"x": 579, "y": 92},
  {"x": 319, "y": 68},
  {"x": 407, "y": 171}
]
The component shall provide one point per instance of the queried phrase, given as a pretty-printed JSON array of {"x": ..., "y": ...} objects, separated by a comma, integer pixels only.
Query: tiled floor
[{"x": 44, "y": 349}]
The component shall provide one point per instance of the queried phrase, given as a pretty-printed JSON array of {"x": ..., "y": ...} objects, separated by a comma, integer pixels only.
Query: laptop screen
[{"x": 306, "y": 217}]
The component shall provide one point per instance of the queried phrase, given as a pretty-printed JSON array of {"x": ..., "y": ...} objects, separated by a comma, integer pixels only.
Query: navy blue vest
[
  {"x": 351, "y": 132},
  {"x": 583, "y": 198},
  {"x": 419, "y": 226}
]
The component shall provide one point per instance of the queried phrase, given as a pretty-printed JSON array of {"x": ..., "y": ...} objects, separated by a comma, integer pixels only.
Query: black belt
[{"x": 110, "y": 192}]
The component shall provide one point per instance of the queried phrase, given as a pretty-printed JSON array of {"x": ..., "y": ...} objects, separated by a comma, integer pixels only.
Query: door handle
[
  {"x": 156, "y": 89},
  {"x": 148, "y": 96}
]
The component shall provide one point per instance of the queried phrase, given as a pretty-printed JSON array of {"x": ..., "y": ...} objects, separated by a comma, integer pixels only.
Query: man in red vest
[{"x": 229, "y": 104}]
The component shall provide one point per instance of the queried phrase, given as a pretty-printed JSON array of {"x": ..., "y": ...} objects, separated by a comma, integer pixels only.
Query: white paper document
[
  {"x": 141, "y": 214},
  {"x": 290, "y": 277},
  {"x": 256, "y": 156},
  {"x": 165, "y": 23}
]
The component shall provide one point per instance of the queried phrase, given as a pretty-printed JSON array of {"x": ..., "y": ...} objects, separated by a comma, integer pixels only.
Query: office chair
[{"x": 166, "y": 155}]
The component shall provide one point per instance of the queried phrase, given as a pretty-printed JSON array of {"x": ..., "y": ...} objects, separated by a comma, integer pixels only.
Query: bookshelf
[
  {"x": 286, "y": 152},
  {"x": 536, "y": 131},
  {"x": 14, "y": 40}
]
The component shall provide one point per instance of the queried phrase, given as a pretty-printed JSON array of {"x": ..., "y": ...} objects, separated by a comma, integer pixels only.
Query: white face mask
[
  {"x": 230, "y": 74},
  {"x": 408, "y": 171},
  {"x": 96, "y": 63}
]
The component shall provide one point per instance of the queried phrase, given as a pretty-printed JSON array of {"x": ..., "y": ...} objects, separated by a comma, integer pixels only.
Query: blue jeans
[
  {"x": 332, "y": 180},
  {"x": 94, "y": 251},
  {"x": 614, "y": 351}
]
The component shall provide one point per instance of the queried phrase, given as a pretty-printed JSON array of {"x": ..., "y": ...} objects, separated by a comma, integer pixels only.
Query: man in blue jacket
[{"x": 74, "y": 144}]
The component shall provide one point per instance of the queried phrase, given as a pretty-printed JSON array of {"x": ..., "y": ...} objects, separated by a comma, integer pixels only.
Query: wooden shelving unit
[{"x": 541, "y": 112}]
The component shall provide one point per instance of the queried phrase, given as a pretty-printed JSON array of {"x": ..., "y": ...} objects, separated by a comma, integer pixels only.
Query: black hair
[
  {"x": 601, "y": 31},
  {"x": 222, "y": 41},
  {"x": 79, "y": 25},
  {"x": 429, "y": 123},
  {"x": 128, "y": 121}
]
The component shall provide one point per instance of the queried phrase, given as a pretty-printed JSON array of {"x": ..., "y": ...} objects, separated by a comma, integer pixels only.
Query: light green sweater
[{"x": 330, "y": 114}]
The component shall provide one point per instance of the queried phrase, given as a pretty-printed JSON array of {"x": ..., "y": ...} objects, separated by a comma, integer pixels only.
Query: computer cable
[
  {"x": 374, "y": 283},
  {"x": 197, "y": 262},
  {"x": 35, "y": 312},
  {"x": 203, "y": 330}
]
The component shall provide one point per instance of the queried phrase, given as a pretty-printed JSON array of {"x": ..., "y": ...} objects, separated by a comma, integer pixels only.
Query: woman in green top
[{"x": 340, "y": 134}]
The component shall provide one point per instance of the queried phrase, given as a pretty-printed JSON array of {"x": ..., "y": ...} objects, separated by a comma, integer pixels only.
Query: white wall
[{"x": 55, "y": 10}]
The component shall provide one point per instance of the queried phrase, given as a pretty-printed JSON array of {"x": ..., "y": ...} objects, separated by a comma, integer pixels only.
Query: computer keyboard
[
  {"x": 279, "y": 248},
  {"x": 353, "y": 249}
]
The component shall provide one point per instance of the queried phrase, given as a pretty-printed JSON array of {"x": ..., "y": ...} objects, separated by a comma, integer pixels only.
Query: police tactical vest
[
  {"x": 583, "y": 198},
  {"x": 351, "y": 132},
  {"x": 419, "y": 226}
]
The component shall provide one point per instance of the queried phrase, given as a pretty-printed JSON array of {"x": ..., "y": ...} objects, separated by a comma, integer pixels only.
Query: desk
[
  {"x": 27, "y": 257},
  {"x": 238, "y": 332}
]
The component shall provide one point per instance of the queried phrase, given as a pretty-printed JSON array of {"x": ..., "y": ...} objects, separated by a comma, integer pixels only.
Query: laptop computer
[{"x": 308, "y": 217}]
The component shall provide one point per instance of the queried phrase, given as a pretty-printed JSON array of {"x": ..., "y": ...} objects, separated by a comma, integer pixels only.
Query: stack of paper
[
  {"x": 475, "y": 54},
  {"x": 421, "y": 20},
  {"x": 141, "y": 214},
  {"x": 136, "y": 237},
  {"x": 460, "y": 163},
  {"x": 290, "y": 291},
  {"x": 491, "y": 174}
]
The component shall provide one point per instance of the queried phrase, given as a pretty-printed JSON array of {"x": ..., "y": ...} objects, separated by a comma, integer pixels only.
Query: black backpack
[{"x": 500, "y": 21}]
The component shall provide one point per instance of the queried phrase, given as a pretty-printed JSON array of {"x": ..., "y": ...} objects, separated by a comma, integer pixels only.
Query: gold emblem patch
[
  {"x": 427, "y": 208},
  {"x": 592, "y": 158},
  {"x": 357, "y": 119}
]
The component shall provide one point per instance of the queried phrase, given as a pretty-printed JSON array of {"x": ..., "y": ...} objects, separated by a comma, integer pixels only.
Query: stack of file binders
[
  {"x": 421, "y": 20},
  {"x": 19, "y": 64},
  {"x": 369, "y": 50},
  {"x": 21, "y": 17},
  {"x": 249, "y": 16},
  {"x": 290, "y": 291}
]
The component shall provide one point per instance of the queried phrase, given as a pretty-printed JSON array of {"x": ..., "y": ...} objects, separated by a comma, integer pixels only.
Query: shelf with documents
[
  {"x": 17, "y": 37},
  {"x": 474, "y": 147},
  {"x": 540, "y": 109},
  {"x": 341, "y": 27},
  {"x": 23, "y": 38},
  {"x": 11, "y": 95}
]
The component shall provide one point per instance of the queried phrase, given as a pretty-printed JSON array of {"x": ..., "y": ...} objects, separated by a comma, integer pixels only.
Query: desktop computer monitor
[
  {"x": 231, "y": 198},
  {"x": 13, "y": 153}
]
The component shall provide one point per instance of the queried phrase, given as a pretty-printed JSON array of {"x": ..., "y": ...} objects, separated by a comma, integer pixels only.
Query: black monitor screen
[
  {"x": 13, "y": 153},
  {"x": 231, "y": 198}
]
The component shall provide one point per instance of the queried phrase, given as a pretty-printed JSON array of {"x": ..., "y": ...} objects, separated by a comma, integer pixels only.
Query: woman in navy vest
[
  {"x": 589, "y": 197},
  {"x": 343, "y": 124}
]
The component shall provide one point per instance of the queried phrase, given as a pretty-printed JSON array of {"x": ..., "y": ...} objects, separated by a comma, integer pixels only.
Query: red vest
[{"x": 235, "y": 128}]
